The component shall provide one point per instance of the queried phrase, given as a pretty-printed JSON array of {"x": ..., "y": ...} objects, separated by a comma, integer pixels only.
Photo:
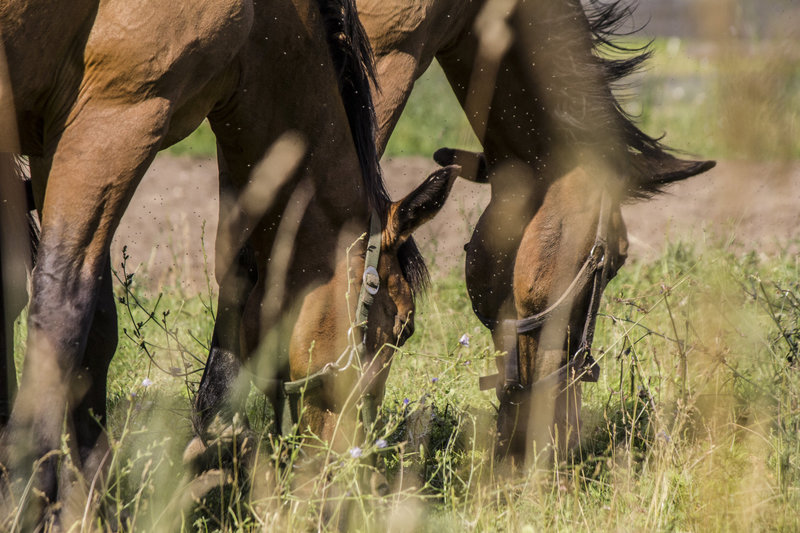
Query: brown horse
[
  {"x": 98, "y": 89},
  {"x": 557, "y": 146},
  {"x": 560, "y": 155}
]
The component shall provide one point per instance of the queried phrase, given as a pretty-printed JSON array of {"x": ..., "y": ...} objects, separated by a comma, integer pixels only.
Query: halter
[
  {"x": 581, "y": 365},
  {"x": 292, "y": 391}
]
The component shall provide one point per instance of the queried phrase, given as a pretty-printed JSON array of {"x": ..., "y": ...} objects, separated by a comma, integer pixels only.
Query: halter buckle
[
  {"x": 371, "y": 279},
  {"x": 598, "y": 245}
]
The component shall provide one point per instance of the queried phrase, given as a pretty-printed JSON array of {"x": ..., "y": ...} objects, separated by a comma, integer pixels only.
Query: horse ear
[
  {"x": 473, "y": 163},
  {"x": 422, "y": 203},
  {"x": 669, "y": 169}
]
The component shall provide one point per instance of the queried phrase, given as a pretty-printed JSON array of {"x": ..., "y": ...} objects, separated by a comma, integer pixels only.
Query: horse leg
[
  {"x": 87, "y": 192},
  {"x": 223, "y": 389},
  {"x": 217, "y": 395},
  {"x": 8, "y": 372},
  {"x": 236, "y": 277},
  {"x": 89, "y": 415},
  {"x": 489, "y": 271}
]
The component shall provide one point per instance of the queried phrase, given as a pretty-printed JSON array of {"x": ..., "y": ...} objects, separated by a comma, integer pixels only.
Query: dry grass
[{"x": 694, "y": 424}]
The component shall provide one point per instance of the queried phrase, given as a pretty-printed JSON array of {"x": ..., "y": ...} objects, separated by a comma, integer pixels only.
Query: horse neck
[
  {"x": 406, "y": 35},
  {"x": 543, "y": 101},
  {"x": 281, "y": 65}
]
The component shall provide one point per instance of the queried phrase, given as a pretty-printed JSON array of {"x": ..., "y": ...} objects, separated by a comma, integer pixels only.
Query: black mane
[
  {"x": 569, "y": 44},
  {"x": 605, "y": 22},
  {"x": 355, "y": 68}
]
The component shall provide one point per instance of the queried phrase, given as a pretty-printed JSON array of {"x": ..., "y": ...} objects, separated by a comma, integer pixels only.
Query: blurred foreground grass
[
  {"x": 694, "y": 424},
  {"x": 729, "y": 100}
]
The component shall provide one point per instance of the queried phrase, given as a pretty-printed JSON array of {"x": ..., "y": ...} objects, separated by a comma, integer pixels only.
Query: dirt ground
[{"x": 745, "y": 206}]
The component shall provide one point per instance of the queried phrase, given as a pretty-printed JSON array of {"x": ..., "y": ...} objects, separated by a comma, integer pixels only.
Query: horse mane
[
  {"x": 354, "y": 62},
  {"x": 575, "y": 46},
  {"x": 605, "y": 22}
]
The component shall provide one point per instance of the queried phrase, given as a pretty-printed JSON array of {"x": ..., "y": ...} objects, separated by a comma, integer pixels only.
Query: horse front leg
[
  {"x": 89, "y": 384},
  {"x": 8, "y": 372},
  {"x": 99, "y": 160},
  {"x": 221, "y": 394},
  {"x": 489, "y": 270}
]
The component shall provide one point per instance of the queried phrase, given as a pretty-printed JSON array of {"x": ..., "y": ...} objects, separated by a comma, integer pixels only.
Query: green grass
[
  {"x": 201, "y": 143},
  {"x": 694, "y": 424}
]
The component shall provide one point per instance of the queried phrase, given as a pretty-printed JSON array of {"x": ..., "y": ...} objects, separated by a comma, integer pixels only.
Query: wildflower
[
  {"x": 355, "y": 452},
  {"x": 464, "y": 340},
  {"x": 146, "y": 382},
  {"x": 381, "y": 443},
  {"x": 663, "y": 435},
  {"x": 434, "y": 380},
  {"x": 406, "y": 401}
]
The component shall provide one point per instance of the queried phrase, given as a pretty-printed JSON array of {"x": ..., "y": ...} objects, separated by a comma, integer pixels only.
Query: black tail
[
  {"x": 32, "y": 217},
  {"x": 354, "y": 62}
]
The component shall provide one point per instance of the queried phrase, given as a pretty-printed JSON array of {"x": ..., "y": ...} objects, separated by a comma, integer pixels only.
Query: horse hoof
[
  {"x": 228, "y": 447},
  {"x": 378, "y": 484},
  {"x": 194, "y": 451}
]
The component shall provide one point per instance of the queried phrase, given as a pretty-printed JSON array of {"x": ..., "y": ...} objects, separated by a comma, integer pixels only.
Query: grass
[
  {"x": 694, "y": 424},
  {"x": 432, "y": 119}
]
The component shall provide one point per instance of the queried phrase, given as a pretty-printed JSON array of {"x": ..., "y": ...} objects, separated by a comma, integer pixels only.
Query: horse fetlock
[{"x": 226, "y": 443}]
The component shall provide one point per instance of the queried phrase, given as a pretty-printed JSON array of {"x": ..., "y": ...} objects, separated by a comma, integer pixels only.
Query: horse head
[
  {"x": 349, "y": 342},
  {"x": 572, "y": 245}
]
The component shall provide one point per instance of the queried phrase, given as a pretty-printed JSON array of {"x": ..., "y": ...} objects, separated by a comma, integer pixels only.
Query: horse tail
[
  {"x": 355, "y": 68},
  {"x": 647, "y": 161}
]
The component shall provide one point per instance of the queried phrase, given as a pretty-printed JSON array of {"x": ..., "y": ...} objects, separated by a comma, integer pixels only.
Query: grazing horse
[
  {"x": 99, "y": 88},
  {"x": 560, "y": 156}
]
